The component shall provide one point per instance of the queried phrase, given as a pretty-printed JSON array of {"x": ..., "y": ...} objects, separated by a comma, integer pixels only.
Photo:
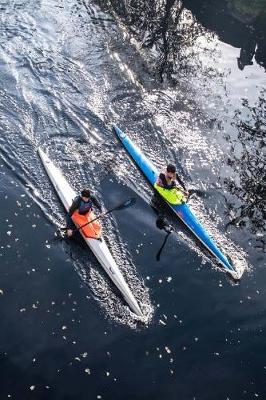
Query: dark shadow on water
[{"x": 239, "y": 23}]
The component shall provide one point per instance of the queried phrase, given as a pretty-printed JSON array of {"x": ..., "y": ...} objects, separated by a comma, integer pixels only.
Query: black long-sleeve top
[{"x": 163, "y": 182}]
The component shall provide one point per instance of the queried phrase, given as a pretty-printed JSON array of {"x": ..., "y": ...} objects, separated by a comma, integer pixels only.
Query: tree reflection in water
[
  {"x": 165, "y": 26},
  {"x": 247, "y": 159},
  {"x": 170, "y": 29}
]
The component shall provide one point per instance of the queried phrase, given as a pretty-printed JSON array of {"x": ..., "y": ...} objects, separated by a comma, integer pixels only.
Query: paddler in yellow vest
[{"x": 170, "y": 186}]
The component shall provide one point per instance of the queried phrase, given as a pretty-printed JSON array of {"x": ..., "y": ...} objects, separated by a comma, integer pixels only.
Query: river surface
[{"x": 68, "y": 71}]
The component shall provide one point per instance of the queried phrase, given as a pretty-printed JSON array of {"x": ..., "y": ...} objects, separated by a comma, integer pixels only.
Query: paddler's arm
[
  {"x": 96, "y": 203},
  {"x": 74, "y": 206},
  {"x": 181, "y": 183}
]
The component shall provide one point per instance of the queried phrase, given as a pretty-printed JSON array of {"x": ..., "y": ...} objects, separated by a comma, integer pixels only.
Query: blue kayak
[{"x": 183, "y": 211}]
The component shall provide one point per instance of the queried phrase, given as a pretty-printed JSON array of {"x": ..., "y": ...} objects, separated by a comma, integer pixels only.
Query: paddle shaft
[
  {"x": 94, "y": 219},
  {"x": 120, "y": 206}
]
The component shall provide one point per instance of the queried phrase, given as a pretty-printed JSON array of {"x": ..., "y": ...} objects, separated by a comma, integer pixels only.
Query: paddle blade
[{"x": 158, "y": 255}]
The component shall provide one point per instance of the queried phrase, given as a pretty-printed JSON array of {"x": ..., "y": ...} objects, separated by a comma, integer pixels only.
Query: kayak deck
[
  {"x": 98, "y": 247},
  {"x": 183, "y": 211}
]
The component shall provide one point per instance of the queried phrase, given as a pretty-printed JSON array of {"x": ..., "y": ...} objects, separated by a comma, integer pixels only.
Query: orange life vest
[{"x": 92, "y": 230}]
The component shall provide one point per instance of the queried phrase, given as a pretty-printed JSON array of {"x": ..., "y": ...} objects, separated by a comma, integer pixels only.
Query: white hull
[{"x": 99, "y": 248}]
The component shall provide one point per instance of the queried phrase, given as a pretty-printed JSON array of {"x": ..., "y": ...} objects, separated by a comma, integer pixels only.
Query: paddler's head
[
  {"x": 85, "y": 194},
  {"x": 170, "y": 171}
]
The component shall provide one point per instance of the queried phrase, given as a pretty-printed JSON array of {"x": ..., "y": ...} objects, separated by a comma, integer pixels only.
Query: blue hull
[{"x": 182, "y": 211}]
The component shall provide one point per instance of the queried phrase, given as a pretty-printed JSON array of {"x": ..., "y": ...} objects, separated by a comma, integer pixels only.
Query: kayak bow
[
  {"x": 183, "y": 211},
  {"x": 99, "y": 248}
]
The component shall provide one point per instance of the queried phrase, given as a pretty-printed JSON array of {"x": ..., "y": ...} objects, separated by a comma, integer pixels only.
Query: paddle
[
  {"x": 121, "y": 206},
  {"x": 161, "y": 224}
]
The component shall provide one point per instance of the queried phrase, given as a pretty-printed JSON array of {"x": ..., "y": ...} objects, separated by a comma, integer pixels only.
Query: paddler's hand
[
  {"x": 186, "y": 194},
  {"x": 69, "y": 232}
]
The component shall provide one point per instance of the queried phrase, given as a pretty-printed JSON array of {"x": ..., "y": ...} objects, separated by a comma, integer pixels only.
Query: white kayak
[{"x": 98, "y": 247}]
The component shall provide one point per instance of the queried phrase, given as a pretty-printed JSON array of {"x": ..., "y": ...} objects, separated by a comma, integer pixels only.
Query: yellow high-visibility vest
[{"x": 173, "y": 196}]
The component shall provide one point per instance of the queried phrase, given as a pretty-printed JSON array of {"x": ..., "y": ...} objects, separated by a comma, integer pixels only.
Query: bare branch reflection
[{"x": 247, "y": 159}]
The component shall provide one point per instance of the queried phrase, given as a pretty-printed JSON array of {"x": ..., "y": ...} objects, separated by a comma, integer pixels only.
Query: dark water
[{"x": 68, "y": 70}]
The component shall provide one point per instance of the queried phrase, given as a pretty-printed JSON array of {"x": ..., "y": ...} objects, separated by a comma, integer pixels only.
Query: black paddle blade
[
  {"x": 158, "y": 255},
  {"x": 127, "y": 203}
]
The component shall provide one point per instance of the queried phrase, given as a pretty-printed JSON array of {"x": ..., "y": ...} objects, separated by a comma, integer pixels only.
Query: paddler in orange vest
[
  {"x": 170, "y": 180},
  {"x": 84, "y": 204}
]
